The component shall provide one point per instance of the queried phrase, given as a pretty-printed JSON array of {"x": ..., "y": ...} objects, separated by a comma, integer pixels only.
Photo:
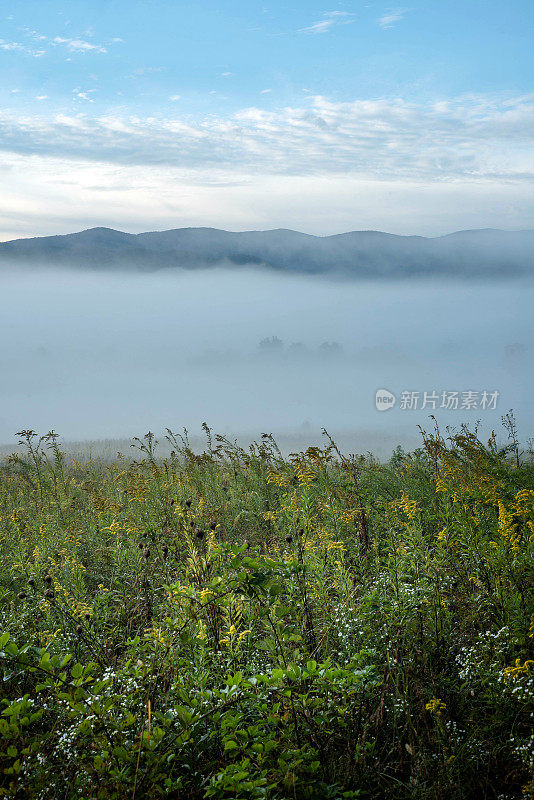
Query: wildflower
[
  {"x": 519, "y": 670},
  {"x": 435, "y": 706}
]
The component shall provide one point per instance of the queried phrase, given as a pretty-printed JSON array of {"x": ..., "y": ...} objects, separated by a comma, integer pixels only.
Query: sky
[{"x": 323, "y": 117}]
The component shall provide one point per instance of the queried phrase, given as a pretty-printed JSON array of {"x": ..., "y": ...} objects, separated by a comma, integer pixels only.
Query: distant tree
[
  {"x": 330, "y": 348},
  {"x": 271, "y": 344}
]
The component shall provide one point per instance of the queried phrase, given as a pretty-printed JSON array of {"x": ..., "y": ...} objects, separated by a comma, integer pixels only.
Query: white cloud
[
  {"x": 78, "y": 45},
  {"x": 42, "y": 97},
  {"x": 73, "y": 45},
  {"x": 140, "y": 71},
  {"x": 332, "y": 18},
  {"x": 265, "y": 91},
  {"x": 226, "y": 74},
  {"x": 21, "y": 48},
  {"x": 391, "y": 16},
  {"x": 174, "y": 97}
]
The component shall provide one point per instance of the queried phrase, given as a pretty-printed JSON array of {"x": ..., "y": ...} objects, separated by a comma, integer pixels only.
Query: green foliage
[{"x": 239, "y": 625}]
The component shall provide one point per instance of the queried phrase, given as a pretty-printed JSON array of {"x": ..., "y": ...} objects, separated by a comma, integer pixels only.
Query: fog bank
[{"x": 97, "y": 356}]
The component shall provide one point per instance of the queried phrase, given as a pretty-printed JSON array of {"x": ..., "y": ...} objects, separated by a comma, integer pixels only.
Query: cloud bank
[
  {"x": 365, "y": 163},
  {"x": 385, "y": 139}
]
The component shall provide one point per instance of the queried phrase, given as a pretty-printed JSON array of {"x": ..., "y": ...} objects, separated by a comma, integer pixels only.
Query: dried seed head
[
  {"x": 173, "y": 501},
  {"x": 79, "y": 629},
  {"x": 213, "y": 525},
  {"x": 141, "y": 545},
  {"x": 188, "y": 503},
  {"x": 301, "y": 532},
  {"x": 48, "y": 579},
  {"x": 87, "y": 617},
  {"x": 144, "y": 535},
  {"x": 22, "y": 595},
  {"x": 31, "y": 583},
  {"x": 200, "y": 534},
  {"x": 147, "y": 554},
  {"x": 49, "y": 594},
  {"x": 289, "y": 539},
  {"x": 165, "y": 551}
]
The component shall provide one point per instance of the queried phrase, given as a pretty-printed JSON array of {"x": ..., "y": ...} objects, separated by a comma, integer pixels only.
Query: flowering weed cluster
[{"x": 237, "y": 624}]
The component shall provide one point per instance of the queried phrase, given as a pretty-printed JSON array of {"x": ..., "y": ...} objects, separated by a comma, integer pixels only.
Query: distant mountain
[{"x": 360, "y": 254}]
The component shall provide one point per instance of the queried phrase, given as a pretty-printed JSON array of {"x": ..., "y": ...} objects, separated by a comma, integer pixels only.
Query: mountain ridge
[{"x": 482, "y": 252}]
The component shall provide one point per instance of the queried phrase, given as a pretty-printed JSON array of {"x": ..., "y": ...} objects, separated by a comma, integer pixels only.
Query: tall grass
[{"x": 237, "y": 624}]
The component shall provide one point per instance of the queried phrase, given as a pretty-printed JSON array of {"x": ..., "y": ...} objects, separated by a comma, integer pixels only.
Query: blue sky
[{"x": 326, "y": 117}]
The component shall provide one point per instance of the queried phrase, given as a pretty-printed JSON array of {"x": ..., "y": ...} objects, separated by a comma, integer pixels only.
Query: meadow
[{"x": 241, "y": 624}]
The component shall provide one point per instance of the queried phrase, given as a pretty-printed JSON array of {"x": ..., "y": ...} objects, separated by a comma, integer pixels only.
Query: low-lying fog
[{"x": 97, "y": 356}]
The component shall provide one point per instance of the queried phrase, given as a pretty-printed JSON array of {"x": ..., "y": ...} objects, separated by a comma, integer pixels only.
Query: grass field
[{"x": 239, "y": 624}]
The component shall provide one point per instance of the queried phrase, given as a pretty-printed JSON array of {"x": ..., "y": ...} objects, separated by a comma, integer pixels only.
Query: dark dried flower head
[
  {"x": 165, "y": 551},
  {"x": 87, "y": 617},
  {"x": 141, "y": 545},
  {"x": 48, "y": 579},
  {"x": 31, "y": 583},
  {"x": 79, "y": 629},
  {"x": 213, "y": 525},
  {"x": 188, "y": 503},
  {"x": 301, "y": 532},
  {"x": 22, "y": 595},
  {"x": 49, "y": 594},
  {"x": 289, "y": 539},
  {"x": 200, "y": 534},
  {"x": 147, "y": 553},
  {"x": 144, "y": 535}
]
